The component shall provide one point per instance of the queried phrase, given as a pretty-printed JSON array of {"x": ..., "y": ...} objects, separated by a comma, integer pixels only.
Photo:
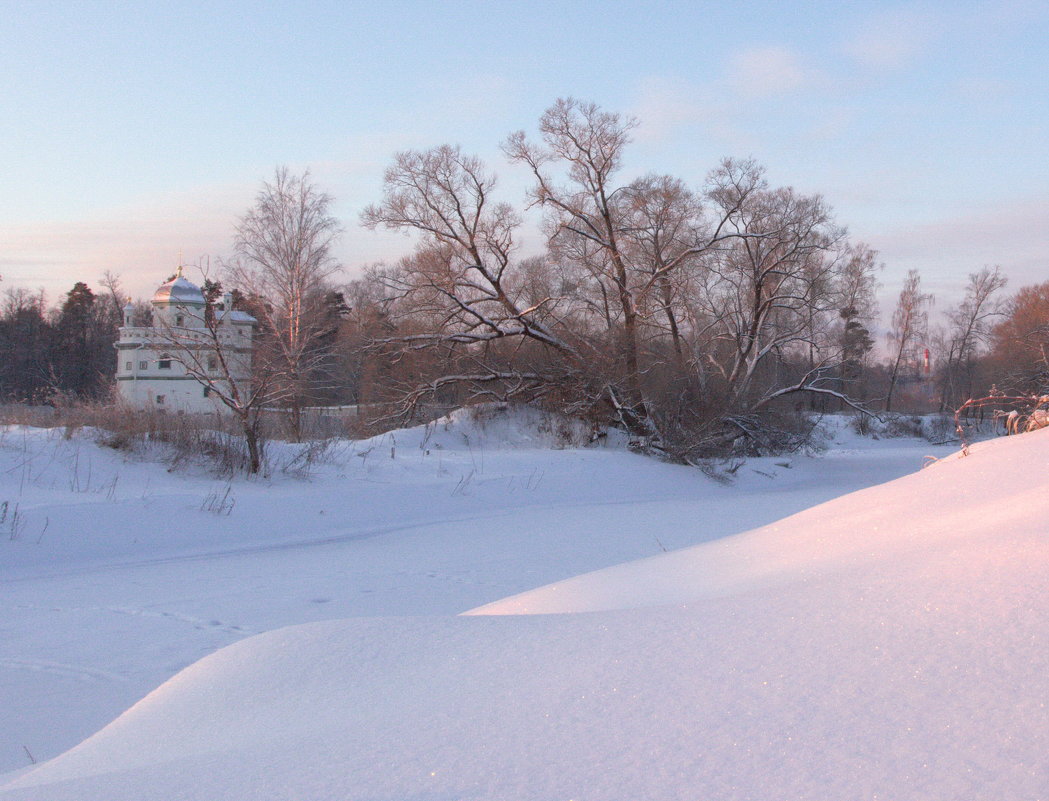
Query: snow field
[{"x": 889, "y": 644}]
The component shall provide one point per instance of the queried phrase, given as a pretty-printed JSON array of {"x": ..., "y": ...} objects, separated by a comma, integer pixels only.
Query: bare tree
[
  {"x": 26, "y": 345},
  {"x": 283, "y": 260},
  {"x": 969, "y": 330},
  {"x": 663, "y": 219},
  {"x": 771, "y": 285},
  {"x": 910, "y": 322},
  {"x": 210, "y": 351},
  {"x": 115, "y": 296},
  {"x": 857, "y": 310},
  {"x": 460, "y": 278},
  {"x": 629, "y": 240},
  {"x": 662, "y": 308}
]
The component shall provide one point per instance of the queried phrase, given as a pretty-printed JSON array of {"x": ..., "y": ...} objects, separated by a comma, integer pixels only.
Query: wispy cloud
[
  {"x": 833, "y": 123},
  {"x": 1012, "y": 235},
  {"x": 664, "y": 106},
  {"x": 54, "y": 255},
  {"x": 140, "y": 241},
  {"x": 891, "y": 40},
  {"x": 758, "y": 72},
  {"x": 702, "y": 120}
]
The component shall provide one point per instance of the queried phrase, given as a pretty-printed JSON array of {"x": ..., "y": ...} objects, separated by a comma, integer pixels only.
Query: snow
[
  {"x": 796, "y": 641},
  {"x": 890, "y": 525}
]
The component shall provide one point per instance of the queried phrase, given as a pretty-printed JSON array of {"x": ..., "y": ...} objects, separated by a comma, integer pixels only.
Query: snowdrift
[
  {"x": 164, "y": 567},
  {"x": 891, "y": 644},
  {"x": 995, "y": 501}
]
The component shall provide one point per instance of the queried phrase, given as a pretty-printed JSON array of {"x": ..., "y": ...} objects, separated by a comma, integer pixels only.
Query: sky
[{"x": 131, "y": 132}]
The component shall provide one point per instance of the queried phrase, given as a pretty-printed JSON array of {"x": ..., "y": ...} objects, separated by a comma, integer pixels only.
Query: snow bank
[
  {"x": 994, "y": 495},
  {"x": 891, "y": 644}
]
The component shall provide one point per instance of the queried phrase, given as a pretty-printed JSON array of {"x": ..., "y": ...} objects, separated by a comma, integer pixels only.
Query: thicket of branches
[
  {"x": 681, "y": 314},
  {"x": 697, "y": 318}
]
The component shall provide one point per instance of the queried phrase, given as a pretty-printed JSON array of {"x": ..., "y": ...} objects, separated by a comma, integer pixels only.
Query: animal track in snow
[
  {"x": 60, "y": 669},
  {"x": 196, "y": 622}
]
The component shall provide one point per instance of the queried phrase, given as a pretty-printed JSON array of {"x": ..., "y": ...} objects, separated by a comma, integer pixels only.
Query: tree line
[
  {"x": 65, "y": 350},
  {"x": 697, "y": 318}
]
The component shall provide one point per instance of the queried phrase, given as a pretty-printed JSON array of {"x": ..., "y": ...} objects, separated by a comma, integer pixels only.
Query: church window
[
  {"x": 143, "y": 365},
  {"x": 165, "y": 362}
]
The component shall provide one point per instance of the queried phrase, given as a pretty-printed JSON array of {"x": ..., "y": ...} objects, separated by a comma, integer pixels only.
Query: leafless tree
[
  {"x": 858, "y": 281},
  {"x": 969, "y": 330},
  {"x": 857, "y": 310},
  {"x": 910, "y": 322},
  {"x": 26, "y": 341},
  {"x": 283, "y": 261},
  {"x": 210, "y": 351},
  {"x": 655, "y": 304},
  {"x": 662, "y": 221},
  {"x": 629, "y": 240},
  {"x": 115, "y": 296},
  {"x": 460, "y": 279},
  {"x": 772, "y": 284}
]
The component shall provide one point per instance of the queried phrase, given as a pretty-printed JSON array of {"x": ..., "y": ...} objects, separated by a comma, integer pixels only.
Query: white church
[{"x": 175, "y": 364}]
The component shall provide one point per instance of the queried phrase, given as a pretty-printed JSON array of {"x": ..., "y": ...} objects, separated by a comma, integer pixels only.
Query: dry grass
[
  {"x": 181, "y": 439},
  {"x": 212, "y": 440}
]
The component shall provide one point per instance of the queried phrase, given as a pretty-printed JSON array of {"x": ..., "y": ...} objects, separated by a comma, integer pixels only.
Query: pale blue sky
[{"x": 129, "y": 131}]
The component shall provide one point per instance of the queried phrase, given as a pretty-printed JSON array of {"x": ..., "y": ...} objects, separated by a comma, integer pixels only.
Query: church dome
[{"x": 179, "y": 290}]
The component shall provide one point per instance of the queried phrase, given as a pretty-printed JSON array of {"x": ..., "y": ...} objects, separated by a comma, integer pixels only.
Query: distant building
[{"x": 153, "y": 362}]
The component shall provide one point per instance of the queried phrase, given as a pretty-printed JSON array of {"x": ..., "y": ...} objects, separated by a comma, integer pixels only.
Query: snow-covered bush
[{"x": 931, "y": 427}]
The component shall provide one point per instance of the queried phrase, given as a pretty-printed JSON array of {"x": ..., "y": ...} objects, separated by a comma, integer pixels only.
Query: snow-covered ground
[{"x": 887, "y": 644}]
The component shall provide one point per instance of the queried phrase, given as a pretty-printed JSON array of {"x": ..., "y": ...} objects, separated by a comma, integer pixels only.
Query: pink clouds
[
  {"x": 139, "y": 248},
  {"x": 1012, "y": 235}
]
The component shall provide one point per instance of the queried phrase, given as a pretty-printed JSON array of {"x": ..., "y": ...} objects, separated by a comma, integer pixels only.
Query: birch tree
[
  {"x": 910, "y": 321},
  {"x": 969, "y": 330},
  {"x": 283, "y": 262},
  {"x": 205, "y": 340}
]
